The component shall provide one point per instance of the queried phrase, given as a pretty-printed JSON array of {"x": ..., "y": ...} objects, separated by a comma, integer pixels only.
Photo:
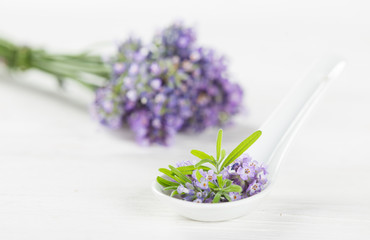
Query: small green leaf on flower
[
  {"x": 227, "y": 196},
  {"x": 179, "y": 180},
  {"x": 241, "y": 148},
  {"x": 200, "y": 154},
  {"x": 205, "y": 161},
  {"x": 217, "y": 197},
  {"x": 233, "y": 188},
  {"x": 227, "y": 183},
  {"x": 170, "y": 188},
  {"x": 179, "y": 174},
  {"x": 166, "y": 172},
  {"x": 223, "y": 154},
  {"x": 212, "y": 186},
  {"x": 220, "y": 181},
  {"x": 198, "y": 175},
  {"x": 174, "y": 193},
  {"x": 166, "y": 183},
  {"x": 218, "y": 144}
]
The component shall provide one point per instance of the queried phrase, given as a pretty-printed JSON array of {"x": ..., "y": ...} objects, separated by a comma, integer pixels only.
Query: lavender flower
[
  {"x": 211, "y": 176},
  {"x": 246, "y": 172},
  {"x": 202, "y": 183},
  {"x": 185, "y": 163},
  {"x": 254, "y": 188},
  {"x": 181, "y": 189},
  {"x": 168, "y": 86},
  {"x": 198, "y": 200},
  {"x": 107, "y": 108},
  {"x": 239, "y": 177},
  {"x": 235, "y": 196}
]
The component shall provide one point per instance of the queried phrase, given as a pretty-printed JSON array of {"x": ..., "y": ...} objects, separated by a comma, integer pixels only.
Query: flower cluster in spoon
[{"x": 216, "y": 179}]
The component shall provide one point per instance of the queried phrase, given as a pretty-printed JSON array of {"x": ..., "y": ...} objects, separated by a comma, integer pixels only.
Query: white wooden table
[{"x": 62, "y": 176}]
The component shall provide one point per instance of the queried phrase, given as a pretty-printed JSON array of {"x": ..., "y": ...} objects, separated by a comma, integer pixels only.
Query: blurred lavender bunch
[
  {"x": 231, "y": 178},
  {"x": 168, "y": 86}
]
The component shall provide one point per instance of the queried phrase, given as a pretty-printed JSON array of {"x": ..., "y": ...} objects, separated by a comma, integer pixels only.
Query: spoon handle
[{"x": 282, "y": 125}]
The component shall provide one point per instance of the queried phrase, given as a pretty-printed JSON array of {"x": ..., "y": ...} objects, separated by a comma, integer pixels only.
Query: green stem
[
  {"x": 63, "y": 75},
  {"x": 61, "y": 66}
]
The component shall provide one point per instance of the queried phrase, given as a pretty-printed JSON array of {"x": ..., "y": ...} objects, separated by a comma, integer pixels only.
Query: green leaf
[
  {"x": 205, "y": 168},
  {"x": 166, "y": 183},
  {"x": 170, "y": 188},
  {"x": 198, "y": 175},
  {"x": 227, "y": 183},
  {"x": 200, "y": 154},
  {"x": 227, "y": 196},
  {"x": 218, "y": 145},
  {"x": 179, "y": 180},
  {"x": 223, "y": 154},
  {"x": 187, "y": 173},
  {"x": 179, "y": 174},
  {"x": 211, "y": 185},
  {"x": 174, "y": 193},
  {"x": 205, "y": 161},
  {"x": 233, "y": 188},
  {"x": 242, "y": 147},
  {"x": 186, "y": 170},
  {"x": 167, "y": 172},
  {"x": 217, "y": 197},
  {"x": 220, "y": 180}
]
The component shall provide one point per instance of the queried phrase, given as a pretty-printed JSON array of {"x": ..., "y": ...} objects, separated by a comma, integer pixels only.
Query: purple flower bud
[
  {"x": 254, "y": 188},
  {"x": 107, "y": 105},
  {"x": 156, "y": 123},
  {"x": 131, "y": 95},
  {"x": 114, "y": 123},
  {"x": 133, "y": 70},
  {"x": 119, "y": 68},
  {"x": 160, "y": 98},
  {"x": 155, "y": 69},
  {"x": 156, "y": 83},
  {"x": 246, "y": 172},
  {"x": 234, "y": 196},
  {"x": 128, "y": 82},
  {"x": 184, "y": 163},
  {"x": 182, "y": 189},
  {"x": 203, "y": 183},
  {"x": 141, "y": 55},
  {"x": 210, "y": 175},
  {"x": 195, "y": 55}
]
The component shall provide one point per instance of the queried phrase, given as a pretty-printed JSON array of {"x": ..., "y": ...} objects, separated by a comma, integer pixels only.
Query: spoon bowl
[
  {"x": 277, "y": 134},
  {"x": 210, "y": 212}
]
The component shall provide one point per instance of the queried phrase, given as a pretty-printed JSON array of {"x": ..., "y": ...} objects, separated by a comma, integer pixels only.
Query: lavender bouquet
[
  {"x": 226, "y": 178},
  {"x": 158, "y": 89}
]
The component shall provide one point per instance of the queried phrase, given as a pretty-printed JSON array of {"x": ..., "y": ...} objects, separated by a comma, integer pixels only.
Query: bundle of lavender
[{"x": 158, "y": 89}]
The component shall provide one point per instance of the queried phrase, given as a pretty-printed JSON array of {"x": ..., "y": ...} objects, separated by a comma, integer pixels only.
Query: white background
[{"x": 64, "y": 177}]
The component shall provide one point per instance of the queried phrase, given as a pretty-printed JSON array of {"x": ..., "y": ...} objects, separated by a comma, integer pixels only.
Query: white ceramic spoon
[{"x": 277, "y": 134}]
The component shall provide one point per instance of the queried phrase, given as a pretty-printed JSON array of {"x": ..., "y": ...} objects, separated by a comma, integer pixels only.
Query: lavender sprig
[{"x": 231, "y": 178}]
